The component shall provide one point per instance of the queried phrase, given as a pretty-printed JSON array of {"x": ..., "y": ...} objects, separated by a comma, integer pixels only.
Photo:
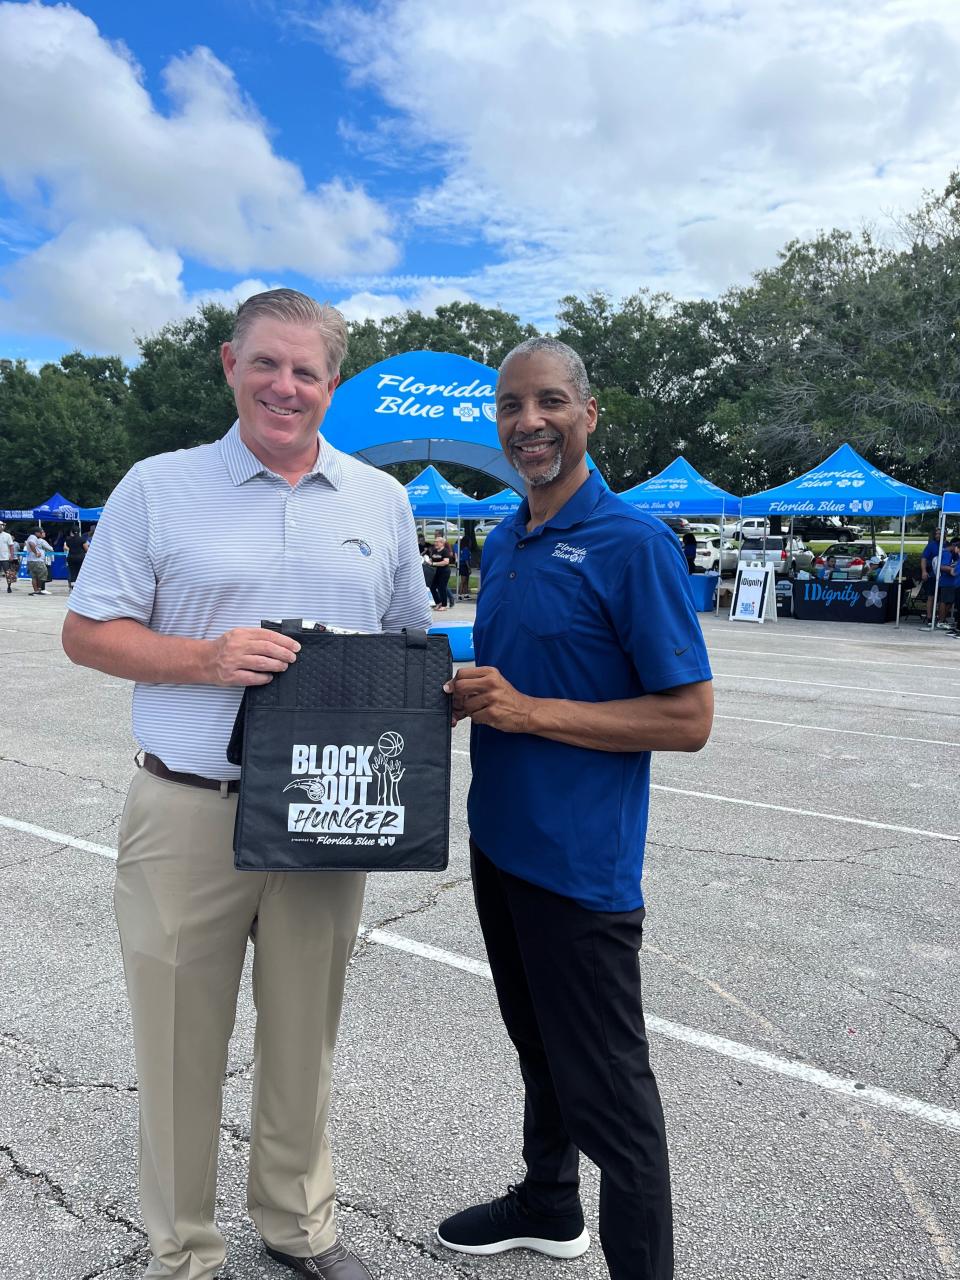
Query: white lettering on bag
[{"x": 338, "y": 781}]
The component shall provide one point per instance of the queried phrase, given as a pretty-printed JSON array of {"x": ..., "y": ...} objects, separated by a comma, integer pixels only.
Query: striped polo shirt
[{"x": 197, "y": 542}]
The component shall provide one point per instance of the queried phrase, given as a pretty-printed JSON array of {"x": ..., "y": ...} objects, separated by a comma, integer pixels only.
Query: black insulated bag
[{"x": 345, "y": 756}]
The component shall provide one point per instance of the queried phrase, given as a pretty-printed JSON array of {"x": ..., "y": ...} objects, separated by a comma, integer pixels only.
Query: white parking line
[
  {"x": 810, "y": 813},
  {"x": 894, "y": 641},
  {"x": 915, "y": 1108},
  {"x": 57, "y": 837},
  {"x": 803, "y": 813},
  {"x": 816, "y": 657},
  {"x": 853, "y": 688},
  {"x": 821, "y": 728}
]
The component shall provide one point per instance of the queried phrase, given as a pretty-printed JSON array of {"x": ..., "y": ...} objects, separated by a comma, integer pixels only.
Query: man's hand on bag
[
  {"x": 250, "y": 655},
  {"x": 486, "y": 697}
]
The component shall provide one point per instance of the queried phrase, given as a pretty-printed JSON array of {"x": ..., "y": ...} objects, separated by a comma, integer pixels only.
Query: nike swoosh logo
[{"x": 679, "y": 652}]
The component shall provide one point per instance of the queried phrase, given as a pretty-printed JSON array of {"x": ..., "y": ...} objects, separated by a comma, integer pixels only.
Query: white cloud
[
  {"x": 613, "y": 144},
  {"x": 425, "y": 297},
  {"x": 135, "y": 191},
  {"x": 101, "y": 288}
]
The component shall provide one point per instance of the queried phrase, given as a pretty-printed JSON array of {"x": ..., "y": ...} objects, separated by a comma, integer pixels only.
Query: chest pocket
[{"x": 549, "y": 603}]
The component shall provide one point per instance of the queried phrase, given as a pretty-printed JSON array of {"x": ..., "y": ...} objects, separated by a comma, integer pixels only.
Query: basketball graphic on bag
[{"x": 390, "y": 743}]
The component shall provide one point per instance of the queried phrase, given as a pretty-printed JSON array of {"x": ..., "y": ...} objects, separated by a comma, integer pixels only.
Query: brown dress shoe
[{"x": 337, "y": 1263}]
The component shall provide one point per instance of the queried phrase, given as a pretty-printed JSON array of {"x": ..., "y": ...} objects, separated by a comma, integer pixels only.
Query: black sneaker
[{"x": 507, "y": 1223}]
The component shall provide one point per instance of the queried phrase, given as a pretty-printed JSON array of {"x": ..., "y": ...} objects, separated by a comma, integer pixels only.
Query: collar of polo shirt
[
  {"x": 242, "y": 465},
  {"x": 575, "y": 510}
]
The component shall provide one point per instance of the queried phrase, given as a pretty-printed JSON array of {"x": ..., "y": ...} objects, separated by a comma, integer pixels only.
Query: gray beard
[{"x": 541, "y": 477}]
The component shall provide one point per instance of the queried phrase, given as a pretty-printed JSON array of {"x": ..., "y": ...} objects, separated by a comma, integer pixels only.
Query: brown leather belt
[{"x": 159, "y": 770}]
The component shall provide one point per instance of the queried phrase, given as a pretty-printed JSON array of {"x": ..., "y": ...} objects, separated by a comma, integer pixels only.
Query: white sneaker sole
[{"x": 553, "y": 1248}]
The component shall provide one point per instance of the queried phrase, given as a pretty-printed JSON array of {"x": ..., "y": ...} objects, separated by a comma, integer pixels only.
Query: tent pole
[
  {"x": 936, "y": 576},
  {"x": 723, "y": 521},
  {"x": 903, "y": 534}
]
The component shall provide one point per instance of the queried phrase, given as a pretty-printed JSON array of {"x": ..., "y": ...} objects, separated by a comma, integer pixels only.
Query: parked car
[
  {"x": 752, "y": 525},
  {"x": 853, "y": 559},
  {"x": 710, "y": 530},
  {"x": 678, "y": 524},
  {"x": 808, "y": 527},
  {"x": 716, "y": 554},
  {"x": 785, "y": 554}
]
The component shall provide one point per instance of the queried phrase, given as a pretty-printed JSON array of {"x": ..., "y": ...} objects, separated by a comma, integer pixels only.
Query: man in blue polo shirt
[{"x": 589, "y": 657}]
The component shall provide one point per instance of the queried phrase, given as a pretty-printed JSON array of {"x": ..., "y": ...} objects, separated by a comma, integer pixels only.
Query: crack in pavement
[
  {"x": 764, "y": 857},
  {"x": 55, "y": 1191},
  {"x": 364, "y": 942},
  {"x": 43, "y": 1075},
  {"x": 935, "y": 1024},
  {"x": 140, "y": 1254},
  {"x": 36, "y": 766},
  {"x": 110, "y": 1210},
  {"x": 239, "y": 1137},
  {"x": 388, "y": 1227}
]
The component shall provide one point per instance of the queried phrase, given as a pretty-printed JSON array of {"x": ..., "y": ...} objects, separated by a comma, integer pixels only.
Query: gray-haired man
[{"x": 183, "y": 622}]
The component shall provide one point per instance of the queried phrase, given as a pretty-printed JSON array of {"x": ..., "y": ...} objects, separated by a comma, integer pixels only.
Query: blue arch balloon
[{"x": 428, "y": 406}]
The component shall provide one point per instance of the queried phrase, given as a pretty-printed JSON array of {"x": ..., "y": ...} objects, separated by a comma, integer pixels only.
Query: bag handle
[{"x": 415, "y": 667}]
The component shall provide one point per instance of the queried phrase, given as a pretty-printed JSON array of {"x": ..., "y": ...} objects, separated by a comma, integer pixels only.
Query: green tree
[
  {"x": 485, "y": 334},
  {"x": 106, "y": 374},
  {"x": 658, "y": 367},
  {"x": 178, "y": 394},
  {"x": 57, "y": 431}
]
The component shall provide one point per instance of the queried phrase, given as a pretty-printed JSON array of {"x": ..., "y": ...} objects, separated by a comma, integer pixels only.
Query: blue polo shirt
[{"x": 593, "y": 606}]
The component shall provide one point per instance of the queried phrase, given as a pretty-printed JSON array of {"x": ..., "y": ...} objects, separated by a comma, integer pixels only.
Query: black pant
[
  {"x": 568, "y": 984},
  {"x": 73, "y": 568},
  {"x": 439, "y": 587}
]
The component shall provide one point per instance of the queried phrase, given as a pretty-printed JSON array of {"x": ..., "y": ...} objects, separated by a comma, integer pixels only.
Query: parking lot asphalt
[{"x": 801, "y": 961}]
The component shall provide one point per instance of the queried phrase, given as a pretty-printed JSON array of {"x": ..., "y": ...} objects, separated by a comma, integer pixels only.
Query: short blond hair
[{"x": 293, "y": 307}]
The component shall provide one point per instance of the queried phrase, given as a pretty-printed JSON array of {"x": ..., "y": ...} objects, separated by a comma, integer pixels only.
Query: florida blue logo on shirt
[{"x": 565, "y": 551}]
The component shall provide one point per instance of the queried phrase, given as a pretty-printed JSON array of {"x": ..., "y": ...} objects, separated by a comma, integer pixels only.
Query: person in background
[
  {"x": 429, "y": 572},
  {"x": 441, "y": 557},
  {"x": 451, "y": 594},
  {"x": 76, "y": 546},
  {"x": 690, "y": 551},
  {"x": 950, "y": 583},
  {"x": 465, "y": 561},
  {"x": 38, "y": 548},
  {"x": 929, "y": 571},
  {"x": 826, "y": 570},
  {"x": 9, "y": 557}
]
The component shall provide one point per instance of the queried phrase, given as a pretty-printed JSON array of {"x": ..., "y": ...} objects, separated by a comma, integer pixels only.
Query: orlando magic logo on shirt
[{"x": 361, "y": 544}]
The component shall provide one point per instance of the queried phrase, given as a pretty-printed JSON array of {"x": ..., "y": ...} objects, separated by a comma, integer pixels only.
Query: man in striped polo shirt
[{"x": 181, "y": 619}]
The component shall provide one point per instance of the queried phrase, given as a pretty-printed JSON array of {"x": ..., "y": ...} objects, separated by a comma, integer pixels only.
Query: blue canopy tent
[
  {"x": 950, "y": 505},
  {"x": 57, "y": 508},
  {"x": 679, "y": 490},
  {"x": 845, "y": 484},
  {"x": 498, "y": 505},
  {"x": 430, "y": 495}
]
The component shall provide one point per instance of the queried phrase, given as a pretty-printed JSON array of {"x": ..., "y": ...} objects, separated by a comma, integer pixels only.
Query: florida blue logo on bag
[
  {"x": 345, "y": 757},
  {"x": 354, "y": 791}
]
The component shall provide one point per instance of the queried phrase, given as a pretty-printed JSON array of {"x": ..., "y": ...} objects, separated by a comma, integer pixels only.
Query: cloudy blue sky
[{"x": 401, "y": 153}]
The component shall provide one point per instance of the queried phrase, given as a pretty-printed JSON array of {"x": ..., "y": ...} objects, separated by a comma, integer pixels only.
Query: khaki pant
[{"x": 185, "y": 915}]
